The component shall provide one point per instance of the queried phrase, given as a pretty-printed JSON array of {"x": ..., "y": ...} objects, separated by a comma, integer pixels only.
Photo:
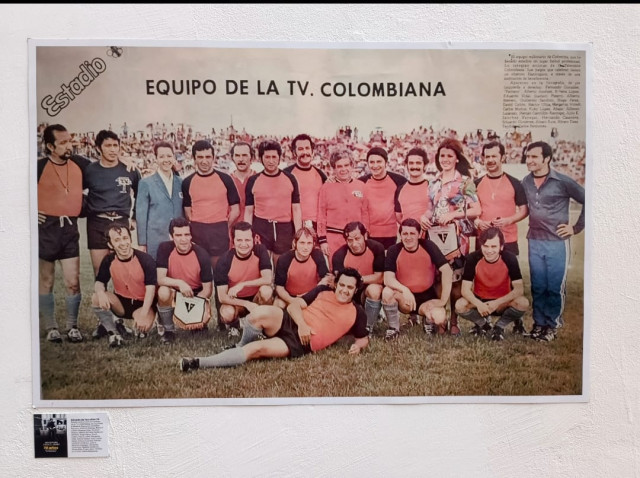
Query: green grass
[{"x": 414, "y": 365}]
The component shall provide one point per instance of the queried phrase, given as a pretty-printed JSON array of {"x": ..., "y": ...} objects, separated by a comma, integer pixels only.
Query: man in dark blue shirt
[{"x": 549, "y": 194}]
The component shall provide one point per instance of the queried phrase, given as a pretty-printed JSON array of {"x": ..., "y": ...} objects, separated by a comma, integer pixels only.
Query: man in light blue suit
[{"x": 159, "y": 200}]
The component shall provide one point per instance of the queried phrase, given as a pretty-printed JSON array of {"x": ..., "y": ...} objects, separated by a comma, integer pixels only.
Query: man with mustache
[
  {"x": 242, "y": 155},
  {"x": 412, "y": 198},
  {"x": 310, "y": 179},
  {"x": 503, "y": 202}
]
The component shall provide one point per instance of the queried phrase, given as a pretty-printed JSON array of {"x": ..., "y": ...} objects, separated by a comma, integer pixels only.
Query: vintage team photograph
[{"x": 249, "y": 224}]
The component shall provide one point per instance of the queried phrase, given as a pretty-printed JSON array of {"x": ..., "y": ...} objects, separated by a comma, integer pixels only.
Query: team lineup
[{"x": 290, "y": 260}]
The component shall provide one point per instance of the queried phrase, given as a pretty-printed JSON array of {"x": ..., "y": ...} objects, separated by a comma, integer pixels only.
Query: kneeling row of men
[{"x": 405, "y": 281}]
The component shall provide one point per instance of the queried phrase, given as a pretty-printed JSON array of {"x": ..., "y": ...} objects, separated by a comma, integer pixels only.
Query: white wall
[{"x": 598, "y": 438}]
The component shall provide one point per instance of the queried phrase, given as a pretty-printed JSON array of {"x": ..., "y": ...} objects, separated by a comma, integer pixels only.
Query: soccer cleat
[
  {"x": 536, "y": 332},
  {"x": 99, "y": 332},
  {"x": 115, "y": 340},
  {"x": 123, "y": 330},
  {"x": 547, "y": 335},
  {"x": 168, "y": 337},
  {"x": 160, "y": 329},
  {"x": 454, "y": 330},
  {"x": 429, "y": 328},
  {"x": 74, "y": 335},
  {"x": 189, "y": 363},
  {"x": 233, "y": 332},
  {"x": 498, "y": 334},
  {"x": 54, "y": 336},
  {"x": 414, "y": 319},
  {"x": 518, "y": 328},
  {"x": 391, "y": 334}
]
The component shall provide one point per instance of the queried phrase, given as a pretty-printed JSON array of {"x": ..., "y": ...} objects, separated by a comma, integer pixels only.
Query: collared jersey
[
  {"x": 491, "y": 280},
  {"x": 498, "y": 198},
  {"x": 381, "y": 194},
  {"x": 330, "y": 320},
  {"x": 110, "y": 189},
  {"x": 194, "y": 267},
  {"x": 310, "y": 181},
  {"x": 341, "y": 203},
  {"x": 549, "y": 205},
  {"x": 299, "y": 277},
  {"x": 130, "y": 277},
  {"x": 209, "y": 196},
  {"x": 60, "y": 186},
  {"x": 272, "y": 196},
  {"x": 415, "y": 270},
  {"x": 412, "y": 200},
  {"x": 370, "y": 261},
  {"x": 232, "y": 269}
]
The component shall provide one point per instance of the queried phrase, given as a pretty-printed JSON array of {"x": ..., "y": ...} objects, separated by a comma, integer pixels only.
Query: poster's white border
[{"x": 587, "y": 291}]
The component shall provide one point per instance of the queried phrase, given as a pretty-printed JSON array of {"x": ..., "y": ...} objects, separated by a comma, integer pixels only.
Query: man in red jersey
[
  {"x": 410, "y": 279},
  {"x": 241, "y": 154},
  {"x": 210, "y": 202},
  {"x": 328, "y": 316},
  {"x": 59, "y": 205},
  {"x": 381, "y": 185},
  {"x": 367, "y": 257},
  {"x": 133, "y": 273},
  {"x": 492, "y": 285},
  {"x": 273, "y": 202},
  {"x": 310, "y": 179},
  {"x": 412, "y": 198},
  {"x": 341, "y": 202}
]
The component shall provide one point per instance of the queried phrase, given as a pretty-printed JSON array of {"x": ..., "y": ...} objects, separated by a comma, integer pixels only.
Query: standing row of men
[{"x": 277, "y": 203}]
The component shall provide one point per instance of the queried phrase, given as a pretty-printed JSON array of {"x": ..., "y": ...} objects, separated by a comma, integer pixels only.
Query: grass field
[{"x": 414, "y": 365}]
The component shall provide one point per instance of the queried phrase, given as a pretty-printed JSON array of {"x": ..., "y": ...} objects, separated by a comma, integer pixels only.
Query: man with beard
[
  {"x": 133, "y": 273},
  {"x": 327, "y": 316},
  {"x": 310, "y": 179},
  {"x": 59, "y": 205},
  {"x": 210, "y": 201}
]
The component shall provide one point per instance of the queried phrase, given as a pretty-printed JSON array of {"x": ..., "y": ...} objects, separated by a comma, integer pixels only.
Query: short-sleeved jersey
[
  {"x": 129, "y": 277},
  {"x": 310, "y": 180},
  {"x": 272, "y": 196},
  {"x": 381, "y": 194},
  {"x": 415, "y": 270},
  {"x": 241, "y": 188},
  {"x": 232, "y": 269},
  {"x": 209, "y": 196},
  {"x": 370, "y": 261},
  {"x": 60, "y": 186},
  {"x": 339, "y": 204},
  {"x": 499, "y": 198},
  {"x": 299, "y": 277},
  {"x": 110, "y": 188},
  {"x": 194, "y": 267},
  {"x": 491, "y": 280},
  {"x": 412, "y": 200},
  {"x": 330, "y": 320}
]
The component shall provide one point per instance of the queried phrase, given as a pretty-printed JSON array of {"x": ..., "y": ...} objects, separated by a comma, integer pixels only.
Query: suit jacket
[{"x": 155, "y": 209}]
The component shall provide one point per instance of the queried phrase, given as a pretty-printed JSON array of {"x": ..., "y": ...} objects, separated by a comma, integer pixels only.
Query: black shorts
[
  {"x": 425, "y": 296},
  {"x": 289, "y": 334},
  {"x": 58, "y": 238},
  {"x": 512, "y": 247},
  {"x": 387, "y": 242},
  {"x": 130, "y": 306},
  {"x": 214, "y": 238},
  {"x": 275, "y": 236},
  {"x": 97, "y": 227}
]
